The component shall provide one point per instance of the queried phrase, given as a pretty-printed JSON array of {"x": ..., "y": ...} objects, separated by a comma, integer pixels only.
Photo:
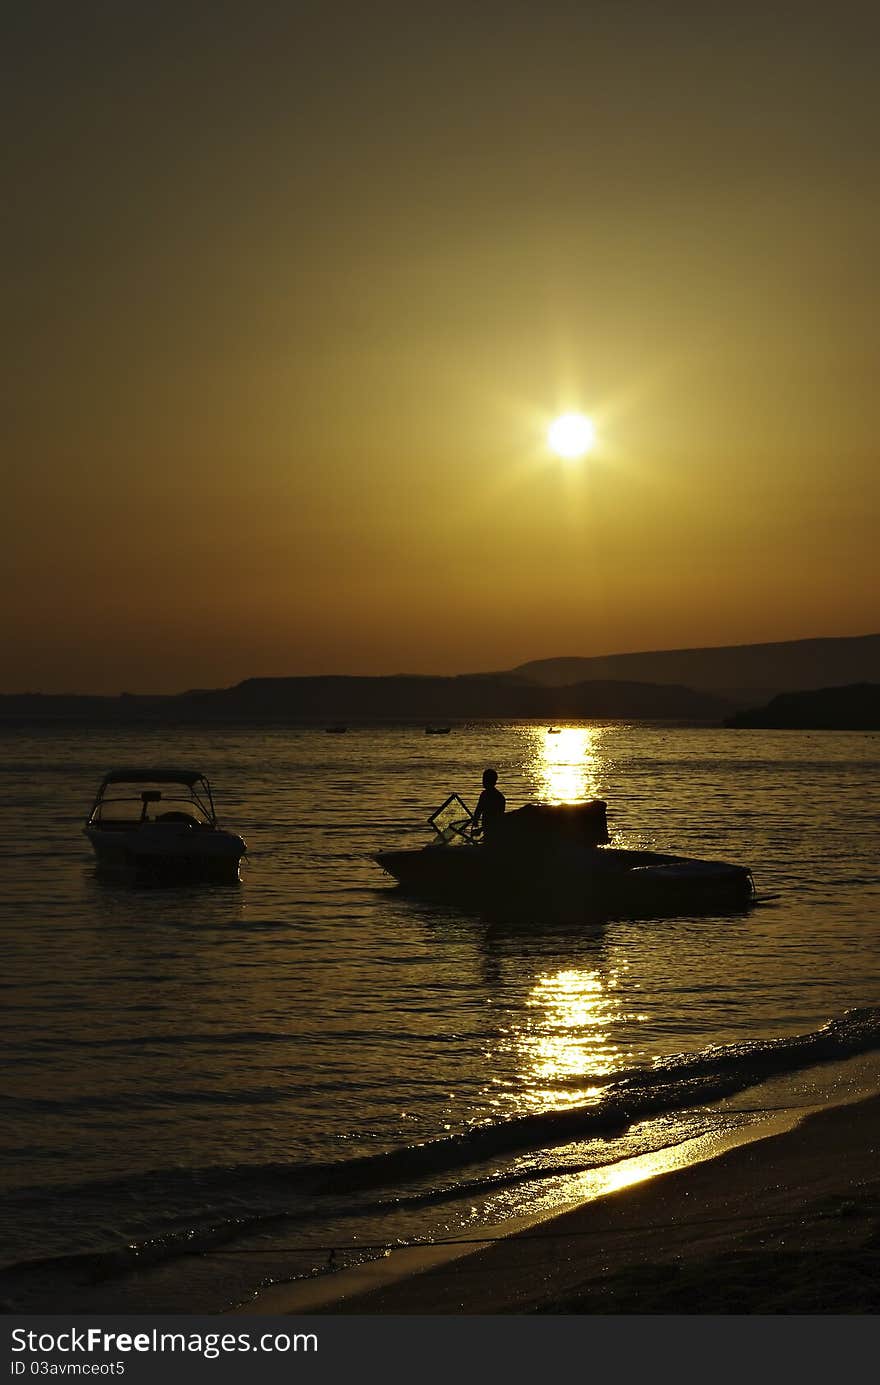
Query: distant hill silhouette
[
  {"x": 853, "y": 708},
  {"x": 744, "y": 674},
  {"x": 463, "y": 697},
  {"x": 401, "y": 698},
  {"x": 691, "y": 684}
]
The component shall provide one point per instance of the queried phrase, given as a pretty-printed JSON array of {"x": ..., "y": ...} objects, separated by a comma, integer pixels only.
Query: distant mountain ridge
[
  {"x": 855, "y": 707},
  {"x": 340, "y": 698},
  {"x": 692, "y": 684},
  {"x": 477, "y": 696},
  {"x": 742, "y": 674}
]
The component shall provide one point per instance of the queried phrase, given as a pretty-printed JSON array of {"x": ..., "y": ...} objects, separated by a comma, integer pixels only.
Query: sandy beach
[{"x": 786, "y": 1224}]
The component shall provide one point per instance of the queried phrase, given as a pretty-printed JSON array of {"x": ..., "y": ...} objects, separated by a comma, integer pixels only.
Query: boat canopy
[{"x": 157, "y": 775}]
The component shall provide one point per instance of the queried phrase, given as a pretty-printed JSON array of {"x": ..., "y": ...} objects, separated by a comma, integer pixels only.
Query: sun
[{"x": 571, "y": 436}]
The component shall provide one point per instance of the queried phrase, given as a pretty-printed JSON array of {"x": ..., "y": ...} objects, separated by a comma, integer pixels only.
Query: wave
[
  {"x": 213, "y": 1206},
  {"x": 672, "y": 1084}
]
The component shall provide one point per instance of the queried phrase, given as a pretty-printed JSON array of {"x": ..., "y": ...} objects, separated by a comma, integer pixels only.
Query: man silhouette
[{"x": 490, "y": 808}]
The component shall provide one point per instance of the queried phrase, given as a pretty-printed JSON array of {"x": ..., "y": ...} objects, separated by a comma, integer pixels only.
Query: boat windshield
[
  {"x": 127, "y": 802},
  {"x": 450, "y": 818}
]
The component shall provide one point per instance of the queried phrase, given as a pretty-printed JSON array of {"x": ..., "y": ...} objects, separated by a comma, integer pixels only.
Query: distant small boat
[
  {"x": 553, "y": 730},
  {"x": 336, "y": 730},
  {"x": 437, "y": 730}
]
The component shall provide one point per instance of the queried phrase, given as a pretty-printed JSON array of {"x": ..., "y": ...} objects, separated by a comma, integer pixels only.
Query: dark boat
[
  {"x": 556, "y": 856},
  {"x": 437, "y": 730},
  {"x": 337, "y": 729}
]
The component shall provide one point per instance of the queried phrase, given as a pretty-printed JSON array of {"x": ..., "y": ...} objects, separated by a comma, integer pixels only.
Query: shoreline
[{"x": 782, "y": 1217}]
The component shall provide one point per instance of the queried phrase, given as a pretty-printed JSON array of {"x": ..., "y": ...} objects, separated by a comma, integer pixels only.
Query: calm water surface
[{"x": 195, "y": 1069}]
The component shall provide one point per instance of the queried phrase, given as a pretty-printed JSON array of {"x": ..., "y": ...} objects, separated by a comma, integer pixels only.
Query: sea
[{"x": 210, "y": 1090}]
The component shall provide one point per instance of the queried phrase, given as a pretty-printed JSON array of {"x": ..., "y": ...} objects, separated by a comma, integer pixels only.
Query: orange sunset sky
[{"x": 293, "y": 292}]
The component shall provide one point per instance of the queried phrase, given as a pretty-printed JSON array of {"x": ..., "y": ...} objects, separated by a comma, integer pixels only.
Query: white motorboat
[{"x": 160, "y": 823}]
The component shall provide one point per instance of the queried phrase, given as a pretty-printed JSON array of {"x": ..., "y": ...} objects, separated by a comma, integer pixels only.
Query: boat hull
[
  {"x": 591, "y": 881},
  {"x": 170, "y": 852}
]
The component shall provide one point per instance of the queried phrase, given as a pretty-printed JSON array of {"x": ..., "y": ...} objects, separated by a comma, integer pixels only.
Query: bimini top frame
[{"x": 199, "y": 794}]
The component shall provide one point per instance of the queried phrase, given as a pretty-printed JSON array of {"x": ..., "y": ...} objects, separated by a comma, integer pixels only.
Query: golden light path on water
[
  {"x": 566, "y": 763},
  {"x": 569, "y": 1036},
  {"x": 566, "y": 1041}
]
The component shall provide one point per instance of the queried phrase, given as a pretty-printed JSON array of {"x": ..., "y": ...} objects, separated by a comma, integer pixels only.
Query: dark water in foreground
[{"x": 205, "y": 1089}]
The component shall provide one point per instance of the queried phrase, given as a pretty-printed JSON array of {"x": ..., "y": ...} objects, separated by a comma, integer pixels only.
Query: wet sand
[{"x": 786, "y": 1224}]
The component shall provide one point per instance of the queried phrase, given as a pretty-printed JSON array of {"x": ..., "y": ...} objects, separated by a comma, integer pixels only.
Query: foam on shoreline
[{"x": 425, "y": 1274}]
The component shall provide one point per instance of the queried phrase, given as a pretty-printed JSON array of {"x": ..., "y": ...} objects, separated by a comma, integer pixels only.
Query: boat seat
[{"x": 175, "y": 816}]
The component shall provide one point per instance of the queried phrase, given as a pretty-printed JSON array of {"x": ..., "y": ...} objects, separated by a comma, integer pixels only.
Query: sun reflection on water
[
  {"x": 566, "y": 1041},
  {"x": 567, "y": 764}
]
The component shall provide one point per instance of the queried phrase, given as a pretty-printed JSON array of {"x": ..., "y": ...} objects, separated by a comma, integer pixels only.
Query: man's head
[{"x": 490, "y": 778}]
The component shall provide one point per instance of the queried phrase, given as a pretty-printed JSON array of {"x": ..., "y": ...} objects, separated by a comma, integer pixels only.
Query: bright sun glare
[{"x": 571, "y": 435}]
